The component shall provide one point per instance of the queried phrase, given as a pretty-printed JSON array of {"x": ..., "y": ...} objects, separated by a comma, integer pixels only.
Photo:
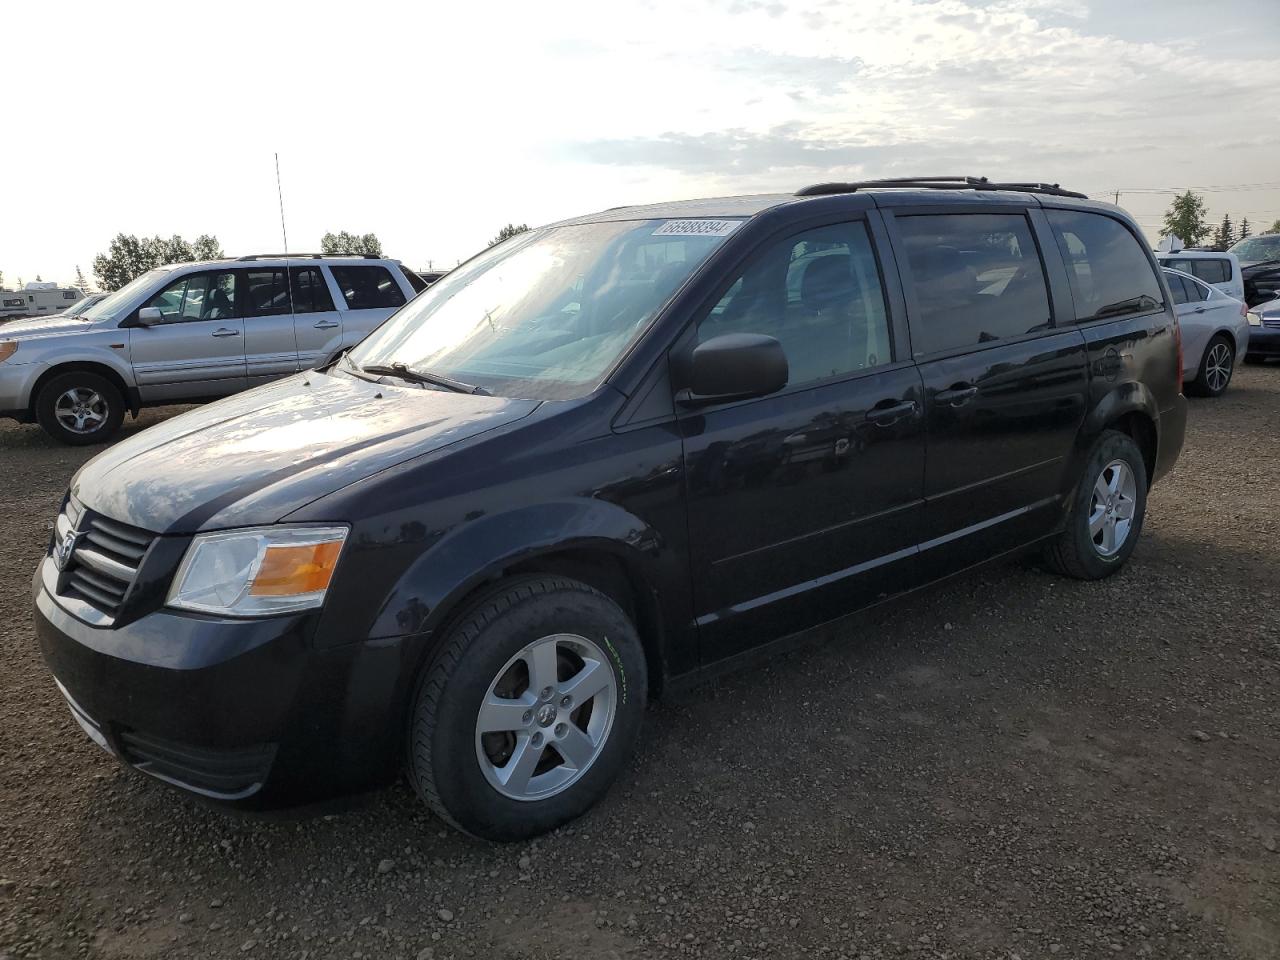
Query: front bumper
[
  {"x": 1264, "y": 342},
  {"x": 243, "y": 712}
]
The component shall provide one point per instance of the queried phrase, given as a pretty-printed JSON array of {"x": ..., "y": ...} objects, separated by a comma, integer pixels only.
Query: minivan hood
[
  {"x": 257, "y": 456},
  {"x": 42, "y": 326}
]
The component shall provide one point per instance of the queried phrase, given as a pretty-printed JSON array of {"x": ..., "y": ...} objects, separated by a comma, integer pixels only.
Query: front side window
[
  {"x": 548, "y": 313},
  {"x": 366, "y": 288},
  {"x": 197, "y": 296},
  {"x": 1108, "y": 269},
  {"x": 977, "y": 278},
  {"x": 819, "y": 294}
]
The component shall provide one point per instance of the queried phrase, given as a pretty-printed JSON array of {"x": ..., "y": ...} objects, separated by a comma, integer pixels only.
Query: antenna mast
[{"x": 280, "y": 193}]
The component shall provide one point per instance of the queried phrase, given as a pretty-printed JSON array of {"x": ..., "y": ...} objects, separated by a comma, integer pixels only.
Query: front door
[
  {"x": 197, "y": 350},
  {"x": 317, "y": 326},
  {"x": 803, "y": 504},
  {"x": 1004, "y": 388}
]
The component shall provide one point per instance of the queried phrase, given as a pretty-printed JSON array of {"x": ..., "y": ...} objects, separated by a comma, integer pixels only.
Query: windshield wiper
[{"x": 422, "y": 376}]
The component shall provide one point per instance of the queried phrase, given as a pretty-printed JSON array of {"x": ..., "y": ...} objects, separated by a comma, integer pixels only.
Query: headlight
[
  {"x": 7, "y": 349},
  {"x": 257, "y": 572},
  {"x": 1255, "y": 319}
]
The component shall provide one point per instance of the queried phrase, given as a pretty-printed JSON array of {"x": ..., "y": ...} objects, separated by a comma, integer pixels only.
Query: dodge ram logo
[{"x": 63, "y": 551}]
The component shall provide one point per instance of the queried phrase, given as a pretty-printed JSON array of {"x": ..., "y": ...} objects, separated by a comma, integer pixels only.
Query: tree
[
  {"x": 207, "y": 247},
  {"x": 129, "y": 257},
  {"x": 81, "y": 282},
  {"x": 349, "y": 244},
  {"x": 1225, "y": 235},
  {"x": 507, "y": 232},
  {"x": 1246, "y": 231},
  {"x": 1274, "y": 228},
  {"x": 1, "y": 279},
  {"x": 38, "y": 280},
  {"x": 1185, "y": 218}
]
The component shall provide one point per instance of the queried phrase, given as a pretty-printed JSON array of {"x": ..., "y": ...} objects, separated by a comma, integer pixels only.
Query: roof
[{"x": 677, "y": 209}]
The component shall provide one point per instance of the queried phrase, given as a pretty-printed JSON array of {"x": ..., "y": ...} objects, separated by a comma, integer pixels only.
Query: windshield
[
  {"x": 545, "y": 315},
  {"x": 119, "y": 300},
  {"x": 1255, "y": 249}
]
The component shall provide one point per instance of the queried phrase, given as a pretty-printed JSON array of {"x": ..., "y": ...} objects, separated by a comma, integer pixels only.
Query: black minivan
[{"x": 599, "y": 459}]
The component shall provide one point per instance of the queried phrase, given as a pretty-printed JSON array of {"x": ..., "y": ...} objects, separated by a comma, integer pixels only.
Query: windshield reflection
[{"x": 546, "y": 314}]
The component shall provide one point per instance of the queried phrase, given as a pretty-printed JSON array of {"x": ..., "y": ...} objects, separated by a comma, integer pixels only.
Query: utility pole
[{"x": 1117, "y": 198}]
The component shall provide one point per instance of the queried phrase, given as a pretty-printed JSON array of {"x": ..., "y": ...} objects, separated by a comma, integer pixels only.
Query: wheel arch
[
  {"x": 89, "y": 366},
  {"x": 1131, "y": 409}
]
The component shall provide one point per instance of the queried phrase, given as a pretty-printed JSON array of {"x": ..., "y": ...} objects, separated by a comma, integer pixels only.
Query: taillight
[{"x": 1177, "y": 338}]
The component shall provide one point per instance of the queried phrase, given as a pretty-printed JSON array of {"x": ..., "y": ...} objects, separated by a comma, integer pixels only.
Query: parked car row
[{"x": 598, "y": 460}]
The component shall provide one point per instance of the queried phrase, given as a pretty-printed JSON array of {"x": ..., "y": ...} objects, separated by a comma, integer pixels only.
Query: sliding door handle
[
  {"x": 225, "y": 332},
  {"x": 958, "y": 395}
]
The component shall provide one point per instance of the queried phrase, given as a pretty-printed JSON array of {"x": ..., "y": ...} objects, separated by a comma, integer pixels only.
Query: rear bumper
[
  {"x": 245, "y": 713},
  {"x": 1172, "y": 434}
]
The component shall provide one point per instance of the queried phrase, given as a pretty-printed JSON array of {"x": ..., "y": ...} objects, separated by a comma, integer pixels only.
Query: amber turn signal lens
[
  {"x": 288, "y": 571},
  {"x": 7, "y": 349}
]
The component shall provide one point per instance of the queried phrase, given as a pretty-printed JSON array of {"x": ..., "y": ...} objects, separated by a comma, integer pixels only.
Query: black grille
[{"x": 105, "y": 561}]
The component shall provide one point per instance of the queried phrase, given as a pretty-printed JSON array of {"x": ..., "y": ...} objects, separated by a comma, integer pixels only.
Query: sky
[{"x": 433, "y": 125}]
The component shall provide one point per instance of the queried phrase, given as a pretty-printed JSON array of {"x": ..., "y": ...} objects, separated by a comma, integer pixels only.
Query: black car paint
[
  {"x": 1261, "y": 281},
  {"x": 721, "y": 527}
]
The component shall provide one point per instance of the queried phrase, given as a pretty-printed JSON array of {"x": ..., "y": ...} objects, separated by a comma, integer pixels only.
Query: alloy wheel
[
  {"x": 81, "y": 410},
  {"x": 1111, "y": 507},
  {"x": 546, "y": 717},
  {"x": 1217, "y": 367}
]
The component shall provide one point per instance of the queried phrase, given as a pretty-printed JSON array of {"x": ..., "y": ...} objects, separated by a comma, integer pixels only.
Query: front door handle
[
  {"x": 224, "y": 332},
  {"x": 1198, "y": 310},
  {"x": 325, "y": 324},
  {"x": 888, "y": 412},
  {"x": 957, "y": 395}
]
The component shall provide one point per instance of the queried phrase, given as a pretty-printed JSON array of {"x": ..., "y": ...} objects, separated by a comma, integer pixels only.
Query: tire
[
  {"x": 1076, "y": 552},
  {"x": 80, "y": 396},
  {"x": 1216, "y": 367},
  {"x": 493, "y": 650}
]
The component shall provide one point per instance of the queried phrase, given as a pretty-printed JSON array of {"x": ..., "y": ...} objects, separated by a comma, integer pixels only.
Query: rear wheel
[
  {"x": 1107, "y": 511},
  {"x": 80, "y": 407},
  {"x": 529, "y": 709},
  {"x": 1216, "y": 368}
]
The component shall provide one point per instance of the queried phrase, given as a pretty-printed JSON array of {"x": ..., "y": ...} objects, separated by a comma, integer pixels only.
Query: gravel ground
[{"x": 1014, "y": 765}]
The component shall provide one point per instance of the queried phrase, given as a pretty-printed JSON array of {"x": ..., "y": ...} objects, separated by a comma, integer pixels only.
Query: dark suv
[{"x": 596, "y": 460}]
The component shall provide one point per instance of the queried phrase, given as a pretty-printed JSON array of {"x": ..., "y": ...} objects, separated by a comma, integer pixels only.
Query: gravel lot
[{"x": 1013, "y": 765}]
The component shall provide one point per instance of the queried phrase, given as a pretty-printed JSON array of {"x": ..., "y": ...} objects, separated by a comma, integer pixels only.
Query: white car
[
  {"x": 1220, "y": 270},
  {"x": 1214, "y": 332}
]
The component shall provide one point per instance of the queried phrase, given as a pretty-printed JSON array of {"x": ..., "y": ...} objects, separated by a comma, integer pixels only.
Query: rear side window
[
  {"x": 265, "y": 294},
  {"x": 1210, "y": 271},
  {"x": 1177, "y": 287},
  {"x": 977, "y": 278},
  {"x": 818, "y": 293},
  {"x": 310, "y": 292},
  {"x": 1109, "y": 271},
  {"x": 365, "y": 288}
]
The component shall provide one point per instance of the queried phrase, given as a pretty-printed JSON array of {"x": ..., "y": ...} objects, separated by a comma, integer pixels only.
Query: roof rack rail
[
  {"x": 308, "y": 256},
  {"x": 937, "y": 183}
]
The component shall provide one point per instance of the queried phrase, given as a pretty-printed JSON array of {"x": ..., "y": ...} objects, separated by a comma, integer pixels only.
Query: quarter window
[
  {"x": 819, "y": 294},
  {"x": 310, "y": 292},
  {"x": 1210, "y": 271},
  {"x": 977, "y": 278},
  {"x": 1109, "y": 271},
  {"x": 366, "y": 288}
]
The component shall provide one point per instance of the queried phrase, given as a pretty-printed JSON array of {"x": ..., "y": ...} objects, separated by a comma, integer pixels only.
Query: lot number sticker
[{"x": 697, "y": 228}]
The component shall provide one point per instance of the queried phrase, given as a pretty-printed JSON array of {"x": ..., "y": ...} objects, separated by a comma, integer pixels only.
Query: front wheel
[
  {"x": 80, "y": 408},
  {"x": 1216, "y": 368},
  {"x": 1107, "y": 511},
  {"x": 528, "y": 710}
]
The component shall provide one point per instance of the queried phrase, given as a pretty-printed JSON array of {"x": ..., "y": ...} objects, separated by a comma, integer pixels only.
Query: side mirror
[
  {"x": 145, "y": 318},
  {"x": 735, "y": 366}
]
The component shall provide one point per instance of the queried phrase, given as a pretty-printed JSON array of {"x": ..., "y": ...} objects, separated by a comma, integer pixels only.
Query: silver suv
[{"x": 190, "y": 332}]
